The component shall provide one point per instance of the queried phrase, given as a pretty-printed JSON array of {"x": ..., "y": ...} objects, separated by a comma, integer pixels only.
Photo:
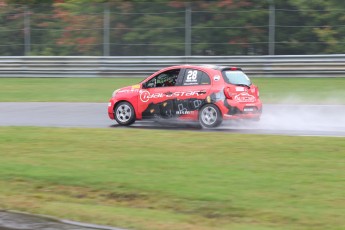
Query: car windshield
[{"x": 236, "y": 77}]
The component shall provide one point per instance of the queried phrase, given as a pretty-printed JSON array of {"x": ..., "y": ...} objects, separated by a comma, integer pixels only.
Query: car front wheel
[
  {"x": 210, "y": 116},
  {"x": 124, "y": 113}
]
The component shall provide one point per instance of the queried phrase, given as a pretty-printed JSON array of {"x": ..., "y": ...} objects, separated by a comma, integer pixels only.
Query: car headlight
[{"x": 114, "y": 93}]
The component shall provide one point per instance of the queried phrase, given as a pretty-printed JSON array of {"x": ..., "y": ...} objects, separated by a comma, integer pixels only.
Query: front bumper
[{"x": 111, "y": 104}]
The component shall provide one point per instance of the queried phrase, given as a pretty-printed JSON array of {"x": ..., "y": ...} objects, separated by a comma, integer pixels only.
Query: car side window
[
  {"x": 196, "y": 77},
  {"x": 205, "y": 79},
  {"x": 165, "y": 79}
]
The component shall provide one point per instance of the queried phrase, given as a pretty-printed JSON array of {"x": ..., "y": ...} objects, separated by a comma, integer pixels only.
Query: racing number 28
[{"x": 192, "y": 75}]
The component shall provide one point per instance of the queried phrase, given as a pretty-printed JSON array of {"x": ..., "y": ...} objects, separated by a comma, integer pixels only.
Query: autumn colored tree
[
  {"x": 148, "y": 29},
  {"x": 230, "y": 27},
  {"x": 158, "y": 27},
  {"x": 328, "y": 24},
  {"x": 11, "y": 29},
  {"x": 82, "y": 26}
]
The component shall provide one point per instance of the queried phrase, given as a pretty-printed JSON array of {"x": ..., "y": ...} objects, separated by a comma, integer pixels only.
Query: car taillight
[{"x": 228, "y": 93}]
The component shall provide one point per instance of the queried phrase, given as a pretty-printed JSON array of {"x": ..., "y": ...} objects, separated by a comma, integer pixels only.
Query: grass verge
[
  {"x": 151, "y": 179},
  {"x": 272, "y": 90}
]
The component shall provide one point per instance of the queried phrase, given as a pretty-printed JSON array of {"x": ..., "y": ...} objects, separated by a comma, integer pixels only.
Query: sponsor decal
[
  {"x": 184, "y": 112},
  {"x": 248, "y": 109},
  {"x": 197, "y": 103},
  {"x": 192, "y": 76},
  {"x": 216, "y": 78},
  {"x": 244, "y": 97},
  {"x": 172, "y": 108},
  {"x": 181, "y": 109},
  {"x": 240, "y": 89},
  {"x": 145, "y": 95},
  {"x": 128, "y": 90}
]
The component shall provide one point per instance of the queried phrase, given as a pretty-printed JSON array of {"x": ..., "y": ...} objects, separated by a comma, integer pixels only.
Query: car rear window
[{"x": 236, "y": 77}]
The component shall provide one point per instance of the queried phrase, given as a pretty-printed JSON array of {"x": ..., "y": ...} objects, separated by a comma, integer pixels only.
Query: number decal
[{"x": 192, "y": 76}]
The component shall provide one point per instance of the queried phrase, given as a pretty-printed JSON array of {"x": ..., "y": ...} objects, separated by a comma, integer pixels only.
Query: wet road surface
[
  {"x": 20, "y": 221},
  {"x": 299, "y": 120}
]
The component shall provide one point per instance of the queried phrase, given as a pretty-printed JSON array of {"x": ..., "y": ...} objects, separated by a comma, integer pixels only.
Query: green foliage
[
  {"x": 329, "y": 23},
  {"x": 30, "y": 2},
  {"x": 221, "y": 27},
  {"x": 11, "y": 30},
  {"x": 144, "y": 33}
]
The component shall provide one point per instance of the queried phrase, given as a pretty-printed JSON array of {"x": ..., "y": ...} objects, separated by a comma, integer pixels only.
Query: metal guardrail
[{"x": 141, "y": 66}]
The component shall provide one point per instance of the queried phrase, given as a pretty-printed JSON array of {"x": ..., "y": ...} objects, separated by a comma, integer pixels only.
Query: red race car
[{"x": 204, "y": 93}]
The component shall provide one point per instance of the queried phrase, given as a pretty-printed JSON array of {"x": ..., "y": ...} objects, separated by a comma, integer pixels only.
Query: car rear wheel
[
  {"x": 124, "y": 113},
  {"x": 210, "y": 116}
]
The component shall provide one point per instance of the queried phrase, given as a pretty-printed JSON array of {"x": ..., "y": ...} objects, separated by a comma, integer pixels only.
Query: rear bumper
[
  {"x": 232, "y": 110},
  {"x": 241, "y": 116}
]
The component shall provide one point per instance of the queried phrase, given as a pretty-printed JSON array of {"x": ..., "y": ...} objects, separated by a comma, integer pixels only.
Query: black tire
[
  {"x": 210, "y": 116},
  {"x": 124, "y": 113}
]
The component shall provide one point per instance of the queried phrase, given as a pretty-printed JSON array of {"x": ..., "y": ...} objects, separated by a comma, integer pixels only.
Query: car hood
[{"x": 127, "y": 90}]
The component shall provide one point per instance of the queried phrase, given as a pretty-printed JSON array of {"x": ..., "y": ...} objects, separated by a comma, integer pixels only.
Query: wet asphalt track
[
  {"x": 296, "y": 120},
  {"x": 21, "y": 221},
  {"x": 299, "y": 120}
]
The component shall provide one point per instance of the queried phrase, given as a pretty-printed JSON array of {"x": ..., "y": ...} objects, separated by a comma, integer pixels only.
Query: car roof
[{"x": 207, "y": 66}]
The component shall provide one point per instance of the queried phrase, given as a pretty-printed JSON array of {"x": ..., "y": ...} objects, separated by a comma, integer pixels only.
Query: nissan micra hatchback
[{"x": 207, "y": 94}]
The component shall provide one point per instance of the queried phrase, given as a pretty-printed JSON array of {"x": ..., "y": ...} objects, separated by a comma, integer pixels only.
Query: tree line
[{"x": 169, "y": 28}]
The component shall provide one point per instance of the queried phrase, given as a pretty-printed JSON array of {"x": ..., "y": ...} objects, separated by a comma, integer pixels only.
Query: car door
[
  {"x": 157, "y": 97},
  {"x": 193, "y": 92}
]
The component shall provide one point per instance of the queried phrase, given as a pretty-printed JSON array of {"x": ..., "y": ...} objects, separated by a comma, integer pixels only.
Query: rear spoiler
[{"x": 233, "y": 68}]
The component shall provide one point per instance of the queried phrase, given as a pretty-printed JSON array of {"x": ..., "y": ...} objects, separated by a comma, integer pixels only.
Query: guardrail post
[
  {"x": 106, "y": 25},
  {"x": 188, "y": 30},
  {"x": 27, "y": 35},
  {"x": 271, "y": 29}
]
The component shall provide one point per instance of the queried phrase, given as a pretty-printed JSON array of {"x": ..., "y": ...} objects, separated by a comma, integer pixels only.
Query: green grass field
[
  {"x": 144, "y": 179},
  {"x": 272, "y": 90},
  {"x": 172, "y": 180}
]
